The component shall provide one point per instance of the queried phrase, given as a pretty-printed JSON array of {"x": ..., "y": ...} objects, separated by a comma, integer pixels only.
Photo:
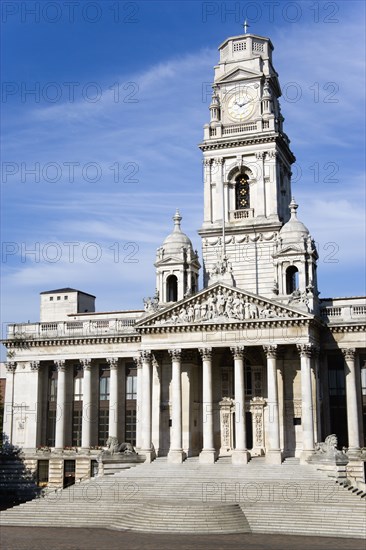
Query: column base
[
  {"x": 274, "y": 457},
  {"x": 149, "y": 455},
  {"x": 176, "y": 456},
  {"x": 304, "y": 455},
  {"x": 240, "y": 457},
  {"x": 207, "y": 456},
  {"x": 353, "y": 452}
]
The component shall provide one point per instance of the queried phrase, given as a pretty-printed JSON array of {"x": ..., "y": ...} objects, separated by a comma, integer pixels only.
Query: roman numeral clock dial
[{"x": 241, "y": 104}]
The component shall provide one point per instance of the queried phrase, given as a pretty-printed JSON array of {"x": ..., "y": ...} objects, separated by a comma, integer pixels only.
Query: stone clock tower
[{"x": 247, "y": 169}]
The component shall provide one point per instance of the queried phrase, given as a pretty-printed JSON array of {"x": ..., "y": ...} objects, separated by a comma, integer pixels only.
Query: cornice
[
  {"x": 11, "y": 344},
  {"x": 214, "y": 327}
]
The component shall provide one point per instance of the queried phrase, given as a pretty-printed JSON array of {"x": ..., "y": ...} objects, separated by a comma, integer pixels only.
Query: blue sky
[{"x": 112, "y": 127}]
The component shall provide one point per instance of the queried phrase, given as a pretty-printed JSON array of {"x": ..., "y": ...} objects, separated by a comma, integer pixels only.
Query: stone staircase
[
  {"x": 190, "y": 497},
  {"x": 17, "y": 483}
]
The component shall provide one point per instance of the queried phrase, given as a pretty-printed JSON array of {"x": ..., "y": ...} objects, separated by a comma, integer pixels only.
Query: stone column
[
  {"x": 146, "y": 447},
  {"x": 138, "y": 364},
  {"x": 87, "y": 410},
  {"x": 113, "y": 397},
  {"x": 351, "y": 393},
  {"x": 9, "y": 401},
  {"x": 240, "y": 454},
  {"x": 273, "y": 451},
  {"x": 307, "y": 414},
  {"x": 157, "y": 360},
  {"x": 176, "y": 452},
  {"x": 35, "y": 366},
  {"x": 60, "y": 404},
  {"x": 208, "y": 454}
]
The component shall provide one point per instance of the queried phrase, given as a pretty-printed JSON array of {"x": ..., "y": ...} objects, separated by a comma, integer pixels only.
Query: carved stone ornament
[
  {"x": 222, "y": 305},
  {"x": 60, "y": 365},
  {"x": 349, "y": 353},
  {"x": 327, "y": 451},
  {"x": 175, "y": 354},
  {"x": 35, "y": 366},
  {"x": 237, "y": 352},
  {"x": 270, "y": 351},
  {"x": 85, "y": 363},
  {"x": 206, "y": 353},
  {"x": 146, "y": 355},
  {"x": 112, "y": 362},
  {"x": 11, "y": 366}
]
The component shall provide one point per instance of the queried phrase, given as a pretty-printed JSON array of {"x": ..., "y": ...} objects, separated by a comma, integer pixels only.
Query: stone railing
[
  {"x": 237, "y": 215},
  {"x": 63, "y": 329},
  {"x": 339, "y": 313},
  {"x": 243, "y": 128}
]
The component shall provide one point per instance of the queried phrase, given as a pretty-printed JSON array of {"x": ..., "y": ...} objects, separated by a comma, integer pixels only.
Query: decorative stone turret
[
  {"x": 295, "y": 263},
  {"x": 177, "y": 265}
]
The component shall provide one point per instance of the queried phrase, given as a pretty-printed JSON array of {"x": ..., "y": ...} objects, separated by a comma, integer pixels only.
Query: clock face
[{"x": 241, "y": 104}]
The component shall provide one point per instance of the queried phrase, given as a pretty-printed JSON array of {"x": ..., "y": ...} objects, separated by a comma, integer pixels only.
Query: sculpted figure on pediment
[{"x": 221, "y": 306}]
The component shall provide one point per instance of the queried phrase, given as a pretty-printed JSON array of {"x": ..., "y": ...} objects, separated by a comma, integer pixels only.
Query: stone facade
[{"x": 253, "y": 364}]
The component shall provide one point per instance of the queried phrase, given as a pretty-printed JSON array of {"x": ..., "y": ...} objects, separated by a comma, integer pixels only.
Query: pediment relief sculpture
[{"x": 222, "y": 305}]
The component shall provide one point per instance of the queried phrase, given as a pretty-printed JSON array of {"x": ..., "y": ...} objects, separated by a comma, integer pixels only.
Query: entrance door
[{"x": 69, "y": 473}]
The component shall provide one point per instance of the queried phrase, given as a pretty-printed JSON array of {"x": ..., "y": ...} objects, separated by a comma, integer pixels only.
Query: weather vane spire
[{"x": 246, "y": 25}]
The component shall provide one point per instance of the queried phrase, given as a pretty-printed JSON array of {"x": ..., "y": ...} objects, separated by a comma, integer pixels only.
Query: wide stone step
[{"x": 183, "y": 518}]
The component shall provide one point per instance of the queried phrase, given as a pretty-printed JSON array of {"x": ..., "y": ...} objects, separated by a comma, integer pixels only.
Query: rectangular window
[
  {"x": 78, "y": 389},
  {"x": 104, "y": 374},
  {"x": 93, "y": 468},
  {"x": 103, "y": 426},
  {"x": 51, "y": 427},
  {"x": 131, "y": 387},
  {"x": 131, "y": 427},
  {"x": 51, "y": 298},
  {"x": 42, "y": 473},
  {"x": 77, "y": 418},
  {"x": 52, "y": 391}
]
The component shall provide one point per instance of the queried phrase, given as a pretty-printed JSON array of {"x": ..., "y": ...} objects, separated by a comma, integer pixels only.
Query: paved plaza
[{"x": 30, "y": 538}]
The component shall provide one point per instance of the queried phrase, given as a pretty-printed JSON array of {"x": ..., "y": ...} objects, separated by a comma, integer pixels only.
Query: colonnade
[{"x": 308, "y": 354}]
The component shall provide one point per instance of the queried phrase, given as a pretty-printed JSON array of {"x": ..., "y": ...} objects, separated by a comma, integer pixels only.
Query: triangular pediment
[
  {"x": 238, "y": 74},
  {"x": 222, "y": 304}
]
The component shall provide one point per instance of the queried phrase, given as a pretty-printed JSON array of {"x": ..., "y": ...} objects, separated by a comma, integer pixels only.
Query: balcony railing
[
  {"x": 243, "y": 214},
  {"x": 63, "y": 329},
  {"x": 337, "y": 314}
]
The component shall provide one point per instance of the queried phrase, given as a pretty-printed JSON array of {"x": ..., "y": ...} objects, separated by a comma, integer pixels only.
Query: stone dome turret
[
  {"x": 294, "y": 230},
  {"x": 174, "y": 242}
]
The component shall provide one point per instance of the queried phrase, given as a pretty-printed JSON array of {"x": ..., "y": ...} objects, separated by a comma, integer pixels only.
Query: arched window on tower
[
  {"x": 242, "y": 198},
  {"x": 172, "y": 288},
  {"x": 292, "y": 279}
]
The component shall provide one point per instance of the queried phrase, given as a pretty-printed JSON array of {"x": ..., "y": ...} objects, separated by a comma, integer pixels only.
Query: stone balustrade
[
  {"x": 337, "y": 313},
  {"x": 101, "y": 327}
]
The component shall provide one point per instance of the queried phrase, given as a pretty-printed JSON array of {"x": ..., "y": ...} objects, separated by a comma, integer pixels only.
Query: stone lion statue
[
  {"x": 114, "y": 447},
  {"x": 329, "y": 446}
]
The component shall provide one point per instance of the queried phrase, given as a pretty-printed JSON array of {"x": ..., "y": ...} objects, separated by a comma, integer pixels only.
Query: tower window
[
  {"x": 242, "y": 192},
  {"x": 292, "y": 279},
  {"x": 172, "y": 288}
]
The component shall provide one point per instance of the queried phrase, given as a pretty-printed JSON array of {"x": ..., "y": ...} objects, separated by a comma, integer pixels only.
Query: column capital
[
  {"x": 349, "y": 353},
  {"x": 305, "y": 350},
  {"x": 60, "y": 365},
  {"x": 237, "y": 352},
  {"x": 271, "y": 351},
  {"x": 112, "y": 362},
  {"x": 11, "y": 366},
  {"x": 137, "y": 361},
  {"x": 85, "y": 363},
  {"x": 175, "y": 354},
  {"x": 146, "y": 355},
  {"x": 35, "y": 366},
  {"x": 206, "y": 353}
]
